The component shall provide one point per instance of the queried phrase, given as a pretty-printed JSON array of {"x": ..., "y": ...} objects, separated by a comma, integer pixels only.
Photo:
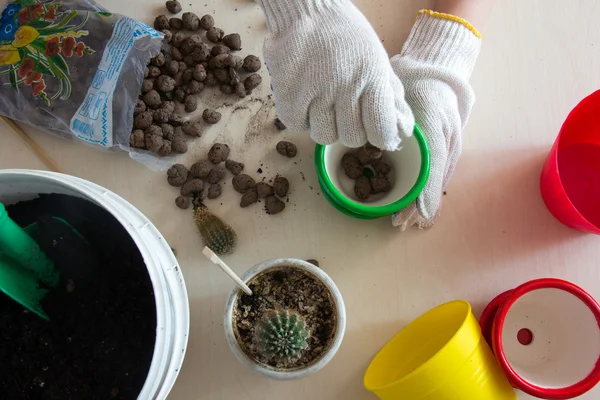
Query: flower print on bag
[{"x": 35, "y": 38}]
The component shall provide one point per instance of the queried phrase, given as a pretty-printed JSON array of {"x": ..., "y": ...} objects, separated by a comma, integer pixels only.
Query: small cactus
[
  {"x": 282, "y": 335},
  {"x": 216, "y": 234}
]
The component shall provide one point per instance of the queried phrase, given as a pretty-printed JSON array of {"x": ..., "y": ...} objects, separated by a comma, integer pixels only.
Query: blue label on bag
[{"x": 93, "y": 120}]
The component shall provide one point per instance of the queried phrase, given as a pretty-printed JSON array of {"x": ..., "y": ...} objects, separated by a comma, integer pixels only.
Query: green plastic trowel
[{"x": 26, "y": 274}]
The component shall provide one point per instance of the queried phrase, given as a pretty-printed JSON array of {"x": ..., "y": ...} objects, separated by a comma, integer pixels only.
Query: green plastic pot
[{"x": 411, "y": 170}]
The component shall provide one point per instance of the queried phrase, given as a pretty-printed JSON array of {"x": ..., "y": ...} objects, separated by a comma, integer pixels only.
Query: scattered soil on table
[
  {"x": 286, "y": 288},
  {"x": 100, "y": 338}
]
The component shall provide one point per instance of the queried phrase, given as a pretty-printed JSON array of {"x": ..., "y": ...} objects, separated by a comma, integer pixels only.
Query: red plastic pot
[
  {"x": 570, "y": 181},
  {"x": 546, "y": 336}
]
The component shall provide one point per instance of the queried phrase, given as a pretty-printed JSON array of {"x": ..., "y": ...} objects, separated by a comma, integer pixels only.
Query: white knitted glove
[
  {"x": 331, "y": 74},
  {"x": 435, "y": 66}
]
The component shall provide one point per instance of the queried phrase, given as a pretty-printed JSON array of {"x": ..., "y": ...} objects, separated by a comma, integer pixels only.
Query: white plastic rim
[
  {"x": 565, "y": 338},
  {"x": 405, "y": 163},
  {"x": 172, "y": 306},
  {"x": 339, "y": 307}
]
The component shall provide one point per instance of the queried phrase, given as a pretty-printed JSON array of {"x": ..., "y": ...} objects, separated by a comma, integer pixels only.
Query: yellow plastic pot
[{"x": 439, "y": 356}]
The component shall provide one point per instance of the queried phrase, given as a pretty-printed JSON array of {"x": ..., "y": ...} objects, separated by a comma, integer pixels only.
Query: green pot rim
[{"x": 358, "y": 210}]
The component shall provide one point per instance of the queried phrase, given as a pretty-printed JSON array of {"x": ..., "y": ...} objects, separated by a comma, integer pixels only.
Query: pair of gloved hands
[{"x": 331, "y": 75}]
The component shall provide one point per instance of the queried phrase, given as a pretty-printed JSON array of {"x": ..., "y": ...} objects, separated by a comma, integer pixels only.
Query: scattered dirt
[
  {"x": 100, "y": 338},
  {"x": 292, "y": 289}
]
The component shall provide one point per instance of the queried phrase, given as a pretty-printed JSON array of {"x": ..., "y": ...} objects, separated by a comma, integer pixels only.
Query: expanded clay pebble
[
  {"x": 146, "y": 72},
  {"x": 178, "y": 38},
  {"x": 252, "y": 81},
  {"x": 219, "y": 49},
  {"x": 139, "y": 107},
  {"x": 214, "y": 191},
  {"x": 211, "y": 116},
  {"x": 226, "y": 89},
  {"x": 162, "y": 116},
  {"x": 251, "y": 64},
  {"x": 249, "y": 198},
  {"x": 211, "y": 80},
  {"x": 234, "y": 167},
  {"x": 161, "y": 22},
  {"x": 382, "y": 168},
  {"x": 380, "y": 184},
  {"x": 153, "y": 72},
  {"x": 194, "y": 87},
  {"x": 180, "y": 95},
  {"x": 215, "y": 34},
  {"x": 281, "y": 186},
  {"x": 165, "y": 83},
  {"x": 199, "y": 73},
  {"x": 216, "y": 174},
  {"x": 176, "y": 23},
  {"x": 174, "y": 7},
  {"x": 188, "y": 75},
  {"x": 221, "y": 75},
  {"x": 143, "y": 120},
  {"x": 147, "y": 85},
  {"x": 352, "y": 166},
  {"x": 313, "y": 262},
  {"x": 152, "y": 99},
  {"x": 137, "y": 139},
  {"x": 233, "y": 41},
  {"x": 159, "y": 60},
  {"x": 191, "y": 104},
  {"x": 207, "y": 21},
  {"x": 243, "y": 182},
  {"x": 218, "y": 153},
  {"x": 191, "y": 22},
  {"x": 362, "y": 188},
  {"x": 235, "y": 62},
  {"x": 264, "y": 190},
  {"x": 287, "y": 149},
  {"x": 172, "y": 67},
  {"x": 201, "y": 169},
  {"x": 177, "y": 175},
  {"x": 279, "y": 125},
  {"x": 218, "y": 62},
  {"x": 240, "y": 90},
  {"x": 158, "y": 145},
  {"x": 176, "y": 120},
  {"x": 273, "y": 205},
  {"x": 368, "y": 153},
  {"x": 179, "y": 144},
  {"x": 168, "y": 132},
  {"x": 192, "y": 128},
  {"x": 169, "y": 106},
  {"x": 154, "y": 130},
  {"x": 168, "y": 35},
  {"x": 182, "y": 202},
  {"x": 193, "y": 187}
]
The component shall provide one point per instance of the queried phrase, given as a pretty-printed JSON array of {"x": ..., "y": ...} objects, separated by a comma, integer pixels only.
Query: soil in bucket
[
  {"x": 100, "y": 338},
  {"x": 285, "y": 294}
]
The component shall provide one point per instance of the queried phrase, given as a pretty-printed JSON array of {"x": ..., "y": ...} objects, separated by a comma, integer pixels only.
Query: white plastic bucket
[{"x": 172, "y": 307}]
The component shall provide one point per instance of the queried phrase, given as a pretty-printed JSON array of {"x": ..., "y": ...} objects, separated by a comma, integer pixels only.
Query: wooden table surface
[{"x": 539, "y": 59}]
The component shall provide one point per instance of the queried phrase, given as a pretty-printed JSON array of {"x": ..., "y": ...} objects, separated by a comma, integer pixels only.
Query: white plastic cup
[
  {"x": 338, "y": 303},
  {"x": 172, "y": 306}
]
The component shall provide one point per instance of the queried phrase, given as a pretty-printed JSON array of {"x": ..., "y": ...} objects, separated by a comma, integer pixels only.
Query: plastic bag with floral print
[{"x": 72, "y": 68}]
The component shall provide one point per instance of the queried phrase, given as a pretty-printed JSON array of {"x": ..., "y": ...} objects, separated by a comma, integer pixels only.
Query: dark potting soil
[
  {"x": 292, "y": 289},
  {"x": 100, "y": 338}
]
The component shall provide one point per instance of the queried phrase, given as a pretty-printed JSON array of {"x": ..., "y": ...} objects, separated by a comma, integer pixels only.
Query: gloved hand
[
  {"x": 435, "y": 66},
  {"x": 331, "y": 75}
]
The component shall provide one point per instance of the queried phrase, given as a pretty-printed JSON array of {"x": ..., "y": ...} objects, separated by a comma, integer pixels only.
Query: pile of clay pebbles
[
  {"x": 203, "y": 180},
  {"x": 196, "y": 54},
  {"x": 370, "y": 173}
]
